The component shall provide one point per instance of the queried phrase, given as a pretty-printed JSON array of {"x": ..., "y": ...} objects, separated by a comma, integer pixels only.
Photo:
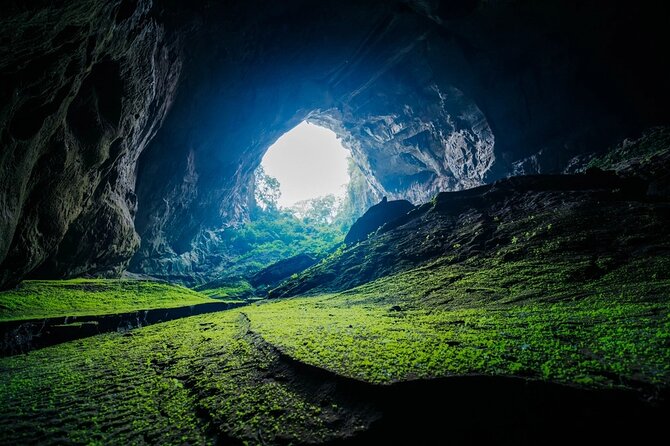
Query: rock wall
[
  {"x": 377, "y": 216},
  {"x": 85, "y": 85}
]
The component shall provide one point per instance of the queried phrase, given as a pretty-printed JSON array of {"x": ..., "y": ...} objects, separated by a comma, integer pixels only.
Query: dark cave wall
[
  {"x": 429, "y": 95},
  {"x": 84, "y": 86}
]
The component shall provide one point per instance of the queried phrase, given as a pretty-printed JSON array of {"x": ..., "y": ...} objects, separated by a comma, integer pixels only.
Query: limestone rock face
[
  {"x": 85, "y": 85},
  {"x": 375, "y": 217},
  {"x": 135, "y": 125},
  {"x": 408, "y": 155}
]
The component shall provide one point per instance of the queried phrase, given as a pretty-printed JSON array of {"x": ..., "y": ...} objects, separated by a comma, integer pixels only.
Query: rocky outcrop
[
  {"x": 375, "y": 217},
  {"x": 271, "y": 276},
  {"x": 85, "y": 86},
  {"x": 647, "y": 157},
  {"x": 428, "y": 95},
  {"x": 406, "y": 155}
]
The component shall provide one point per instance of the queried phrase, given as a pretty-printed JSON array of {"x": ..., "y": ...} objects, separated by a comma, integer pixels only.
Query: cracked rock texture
[
  {"x": 132, "y": 127},
  {"x": 85, "y": 86}
]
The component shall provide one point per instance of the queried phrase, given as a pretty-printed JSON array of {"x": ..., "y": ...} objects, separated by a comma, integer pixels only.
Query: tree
[
  {"x": 319, "y": 210},
  {"x": 266, "y": 190},
  {"x": 359, "y": 197}
]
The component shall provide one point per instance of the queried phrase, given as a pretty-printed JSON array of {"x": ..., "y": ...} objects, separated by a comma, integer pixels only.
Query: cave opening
[
  {"x": 309, "y": 162},
  {"x": 491, "y": 231},
  {"x": 306, "y": 193}
]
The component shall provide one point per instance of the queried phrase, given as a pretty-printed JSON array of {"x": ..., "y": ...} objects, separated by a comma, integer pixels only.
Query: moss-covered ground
[
  {"x": 517, "y": 318},
  {"x": 228, "y": 291},
  {"x": 214, "y": 376},
  {"x": 182, "y": 382},
  {"x": 84, "y": 297}
]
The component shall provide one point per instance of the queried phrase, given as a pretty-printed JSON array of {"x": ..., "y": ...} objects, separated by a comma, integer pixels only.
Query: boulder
[
  {"x": 272, "y": 275},
  {"x": 375, "y": 217}
]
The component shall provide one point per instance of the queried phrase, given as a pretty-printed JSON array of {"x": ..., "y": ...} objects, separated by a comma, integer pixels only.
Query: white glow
[{"x": 309, "y": 162}]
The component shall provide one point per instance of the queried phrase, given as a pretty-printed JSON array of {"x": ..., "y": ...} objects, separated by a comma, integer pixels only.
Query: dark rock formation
[
  {"x": 375, "y": 217},
  {"x": 428, "y": 95},
  {"x": 647, "y": 157},
  {"x": 85, "y": 86},
  {"x": 272, "y": 275}
]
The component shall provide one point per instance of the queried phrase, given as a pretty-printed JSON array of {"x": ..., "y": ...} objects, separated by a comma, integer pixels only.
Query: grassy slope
[
  {"x": 576, "y": 292},
  {"x": 228, "y": 290},
  {"x": 78, "y": 297},
  {"x": 186, "y": 380},
  {"x": 443, "y": 320}
]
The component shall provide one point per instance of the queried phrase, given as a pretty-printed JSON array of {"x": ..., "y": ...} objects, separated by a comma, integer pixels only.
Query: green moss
[
  {"x": 182, "y": 382},
  {"x": 188, "y": 380},
  {"x": 519, "y": 318},
  {"x": 79, "y": 297},
  {"x": 232, "y": 291}
]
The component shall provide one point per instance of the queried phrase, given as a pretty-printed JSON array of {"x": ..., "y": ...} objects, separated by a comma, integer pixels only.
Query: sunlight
[{"x": 309, "y": 161}]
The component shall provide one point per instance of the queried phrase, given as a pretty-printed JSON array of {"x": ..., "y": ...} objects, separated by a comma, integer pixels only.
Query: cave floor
[
  {"x": 508, "y": 350},
  {"x": 34, "y": 299}
]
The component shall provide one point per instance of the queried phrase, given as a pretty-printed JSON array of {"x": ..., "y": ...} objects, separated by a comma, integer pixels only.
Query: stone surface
[
  {"x": 428, "y": 95},
  {"x": 378, "y": 215},
  {"x": 85, "y": 85},
  {"x": 272, "y": 275}
]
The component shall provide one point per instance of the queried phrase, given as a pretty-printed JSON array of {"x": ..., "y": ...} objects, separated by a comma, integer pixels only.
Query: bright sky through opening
[{"x": 309, "y": 161}]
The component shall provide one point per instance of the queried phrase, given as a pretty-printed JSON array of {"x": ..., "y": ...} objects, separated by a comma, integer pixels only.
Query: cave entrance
[
  {"x": 302, "y": 209},
  {"x": 307, "y": 166}
]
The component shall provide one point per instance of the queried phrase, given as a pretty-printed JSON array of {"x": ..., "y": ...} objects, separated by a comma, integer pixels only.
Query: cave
[
  {"x": 308, "y": 161},
  {"x": 500, "y": 248}
]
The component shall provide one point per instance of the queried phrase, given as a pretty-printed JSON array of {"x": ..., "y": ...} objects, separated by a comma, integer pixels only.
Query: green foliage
[
  {"x": 273, "y": 235},
  {"x": 314, "y": 227},
  {"x": 317, "y": 211},
  {"x": 266, "y": 189},
  {"x": 79, "y": 297},
  {"x": 228, "y": 290}
]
